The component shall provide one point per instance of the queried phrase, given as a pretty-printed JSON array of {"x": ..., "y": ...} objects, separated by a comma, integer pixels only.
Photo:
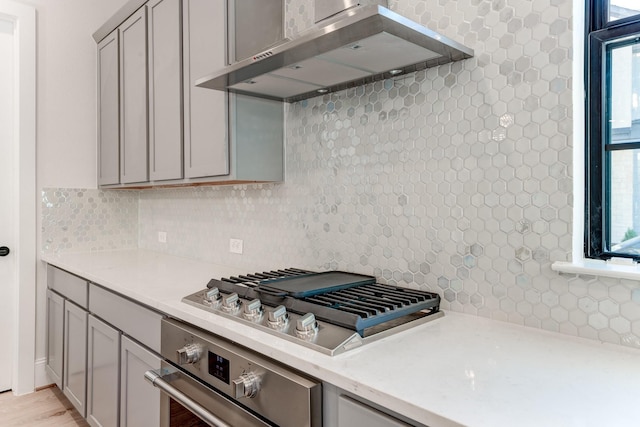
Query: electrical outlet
[
  {"x": 162, "y": 236},
  {"x": 235, "y": 246}
]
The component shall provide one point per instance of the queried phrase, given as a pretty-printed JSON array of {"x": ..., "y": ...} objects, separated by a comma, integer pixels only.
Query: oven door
[{"x": 187, "y": 402}]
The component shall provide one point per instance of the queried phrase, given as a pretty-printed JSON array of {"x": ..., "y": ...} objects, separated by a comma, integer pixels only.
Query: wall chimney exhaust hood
[{"x": 358, "y": 46}]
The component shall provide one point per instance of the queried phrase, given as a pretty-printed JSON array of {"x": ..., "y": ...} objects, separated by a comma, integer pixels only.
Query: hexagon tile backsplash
[
  {"x": 76, "y": 220},
  {"x": 455, "y": 179}
]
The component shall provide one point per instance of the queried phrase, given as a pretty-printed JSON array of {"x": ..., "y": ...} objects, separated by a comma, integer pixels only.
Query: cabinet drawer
[
  {"x": 139, "y": 322},
  {"x": 356, "y": 414},
  {"x": 72, "y": 287}
]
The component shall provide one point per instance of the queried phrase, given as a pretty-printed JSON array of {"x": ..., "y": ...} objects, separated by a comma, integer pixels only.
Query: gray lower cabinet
[
  {"x": 103, "y": 367},
  {"x": 55, "y": 334},
  {"x": 127, "y": 316},
  {"x": 344, "y": 409},
  {"x": 99, "y": 344},
  {"x": 134, "y": 143},
  {"x": 71, "y": 287},
  {"x": 352, "y": 413},
  {"x": 139, "y": 400},
  {"x": 74, "y": 371}
]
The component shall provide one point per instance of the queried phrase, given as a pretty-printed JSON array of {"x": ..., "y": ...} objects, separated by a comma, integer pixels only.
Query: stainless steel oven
[{"x": 207, "y": 380}]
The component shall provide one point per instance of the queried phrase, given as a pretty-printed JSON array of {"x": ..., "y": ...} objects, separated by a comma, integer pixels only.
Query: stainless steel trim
[
  {"x": 388, "y": 35},
  {"x": 330, "y": 339},
  {"x": 156, "y": 379},
  {"x": 276, "y": 392},
  {"x": 253, "y": 26},
  {"x": 326, "y": 8},
  {"x": 229, "y": 31}
]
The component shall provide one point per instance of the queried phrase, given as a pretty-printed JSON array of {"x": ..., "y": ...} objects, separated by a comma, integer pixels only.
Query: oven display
[{"x": 219, "y": 367}]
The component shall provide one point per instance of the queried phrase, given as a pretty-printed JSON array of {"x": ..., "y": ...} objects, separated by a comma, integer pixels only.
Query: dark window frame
[{"x": 601, "y": 34}]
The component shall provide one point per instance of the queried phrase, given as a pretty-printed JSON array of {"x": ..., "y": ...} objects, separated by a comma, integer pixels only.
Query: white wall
[
  {"x": 66, "y": 112},
  {"x": 67, "y": 89},
  {"x": 7, "y": 194}
]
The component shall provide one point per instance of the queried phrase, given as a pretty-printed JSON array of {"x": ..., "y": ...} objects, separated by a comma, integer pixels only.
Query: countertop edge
[
  {"x": 256, "y": 340},
  {"x": 511, "y": 371}
]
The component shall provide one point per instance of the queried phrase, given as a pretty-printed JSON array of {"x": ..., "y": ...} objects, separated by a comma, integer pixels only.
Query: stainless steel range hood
[{"x": 358, "y": 46}]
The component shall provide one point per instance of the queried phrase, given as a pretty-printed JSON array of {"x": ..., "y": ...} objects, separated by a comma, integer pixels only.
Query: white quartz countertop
[{"x": 457, "y": 370}]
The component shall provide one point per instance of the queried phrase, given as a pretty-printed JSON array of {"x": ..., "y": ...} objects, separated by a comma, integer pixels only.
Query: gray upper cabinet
[
  {"x": 134, "y": 151},
  {"x": 229, "y": 138},
  {"x": 109, "y": 110},
  {"x": 165, "y": 89},
  {"x": 170, "y": 131},
  {"x": 206, "y": 137}
]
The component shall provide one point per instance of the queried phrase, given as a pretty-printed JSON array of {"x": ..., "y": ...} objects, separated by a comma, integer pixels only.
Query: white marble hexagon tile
[{"x": 456, "y": 179}]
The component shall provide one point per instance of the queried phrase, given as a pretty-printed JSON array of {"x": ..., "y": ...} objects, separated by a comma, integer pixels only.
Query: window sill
[{"x": 594, "y": 267}]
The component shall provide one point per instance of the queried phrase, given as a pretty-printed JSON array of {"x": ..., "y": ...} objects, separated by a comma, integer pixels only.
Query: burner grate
[
  {"x": 359, "y": 308},
  {"x": 256, "y": 279},
  {"x": 375, "y": 304}
]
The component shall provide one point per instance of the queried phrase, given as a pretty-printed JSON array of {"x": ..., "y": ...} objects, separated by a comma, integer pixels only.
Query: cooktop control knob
[
  {"x": 307, "y": 327},
  {"x": 189, "y": 354},
  {"x": 212, "y": 297},
  {"x": 247, "y": 385},
  {"x": 278, "y": 318},
  {"x": 253, "y": 310},
  {"x": 231, "y": 303}
]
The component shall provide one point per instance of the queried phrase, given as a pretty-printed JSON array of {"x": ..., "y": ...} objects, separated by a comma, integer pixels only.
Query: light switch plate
[{"x": 162, "y": 236}]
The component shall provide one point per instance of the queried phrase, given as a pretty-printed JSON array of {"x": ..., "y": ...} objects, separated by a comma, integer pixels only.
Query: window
[{"x": 612, "y": 212}]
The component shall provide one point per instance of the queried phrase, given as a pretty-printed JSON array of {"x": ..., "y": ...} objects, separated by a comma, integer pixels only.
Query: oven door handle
[{"x": 156, "y": 379}]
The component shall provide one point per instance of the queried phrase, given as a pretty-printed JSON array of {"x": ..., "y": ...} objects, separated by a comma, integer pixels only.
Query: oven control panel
[{"x": 255, "y": 381}]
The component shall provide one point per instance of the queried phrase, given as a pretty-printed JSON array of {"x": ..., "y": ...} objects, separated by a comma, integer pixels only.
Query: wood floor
[{"x": 47, "y": 407}]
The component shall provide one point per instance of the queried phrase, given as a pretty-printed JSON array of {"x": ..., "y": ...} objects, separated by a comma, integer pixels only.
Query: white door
[{"x": 7, "y": 197}]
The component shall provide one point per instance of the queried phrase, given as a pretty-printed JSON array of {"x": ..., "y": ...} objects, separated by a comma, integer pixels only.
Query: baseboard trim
[
  {"x": 42, "y": 380},
  {"x": 45, "y": 387}
]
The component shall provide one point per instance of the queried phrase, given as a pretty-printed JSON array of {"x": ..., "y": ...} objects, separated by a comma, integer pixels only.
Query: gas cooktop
[{"x": 331, "y": 311}]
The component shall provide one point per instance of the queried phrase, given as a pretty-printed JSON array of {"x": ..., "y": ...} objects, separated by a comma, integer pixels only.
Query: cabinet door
[
  {"x": 205, "y": 110},
  {"x": 55, "y": 336},
  {"x": 103, "y": 369},
  {"x": 108, "y": 111},
  {"x": 165, "y": 89},
  {"x": 74, "y": 373},
  {"x": 139, "y": 401},
  {"x": 134, "y": 152}
]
